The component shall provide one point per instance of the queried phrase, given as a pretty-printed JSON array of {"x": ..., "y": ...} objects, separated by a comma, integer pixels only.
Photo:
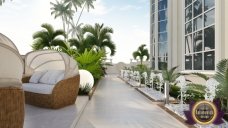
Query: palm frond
[{"x": 205, "y": 77}]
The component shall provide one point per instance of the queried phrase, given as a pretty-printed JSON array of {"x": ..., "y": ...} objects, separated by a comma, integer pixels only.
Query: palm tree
[
  {"x": 48, "y": 37},
  {"x": 75, "y": 3},
  {"x": 100, "y": 37},
  {"x": 87, "y": 4},
  {"x": 63, "y": 10},
  {"x": 222, "y": 77},
  {"x": 169, "y": 76},
  {"x": 80, "y": 43},
  {"x": 75, "y": 30},
  {"x": 141, "y": 52}
]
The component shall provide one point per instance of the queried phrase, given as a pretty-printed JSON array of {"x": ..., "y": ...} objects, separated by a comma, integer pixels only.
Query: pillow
[
  {"x": 61, "y": 77},
  {"x": 51, "y": 77},
  {"x": 36, "y": 76}
]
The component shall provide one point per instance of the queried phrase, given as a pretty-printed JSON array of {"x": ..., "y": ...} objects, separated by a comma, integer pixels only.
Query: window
[{"x": 199, "y": 35}]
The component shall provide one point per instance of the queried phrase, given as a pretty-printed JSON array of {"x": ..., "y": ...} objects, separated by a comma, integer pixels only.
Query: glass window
[
  {"x": 162, "y": 4},
  {"x": 198, "y": 41},
  {"x": 209, "y": 60},
  {"x": 162, "y": 26},
  {"x": 198, "y": 61},
  {"x": 209, "y": 38},
  {"x": 197, "y": 7},
  {"x": 162, "y": 37},
  {"x": 162, "y": 63},
  {"x": 188, "y": 62},
  {"x": 198, "y": 23},
  {"x": 162, "y": 15},
  {"x": 188, "y": 13},
  {"x": 188, "y": 44},
  {"x": 199, "y": 34},
  {"x": 162, "y": 49},
  {"x": 187, "y": 2},
  {"x": 208, "y": 4},
  {"x": 209, "y": 18},
  {"x": 188, "y": 27}
]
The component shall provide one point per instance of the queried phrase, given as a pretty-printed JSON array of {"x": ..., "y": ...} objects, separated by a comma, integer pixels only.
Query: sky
[{"x": 20, "y": 19}]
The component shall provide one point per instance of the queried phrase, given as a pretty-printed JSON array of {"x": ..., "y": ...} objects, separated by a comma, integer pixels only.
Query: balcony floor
[
  {"x": 36, "y": 117},
  {"x": 117, "y": 105}
]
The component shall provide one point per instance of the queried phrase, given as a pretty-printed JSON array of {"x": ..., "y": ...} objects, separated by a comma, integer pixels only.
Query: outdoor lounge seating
[
  {"x": 11, "y": 93},
  {"x": 51, "y": 79}
]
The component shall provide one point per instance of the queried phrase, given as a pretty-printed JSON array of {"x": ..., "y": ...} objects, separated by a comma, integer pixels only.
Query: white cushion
[
  {"x": 36, "y": 76},
  {"x": 52, "y": 77},
  {"x": 38, "y": 88}
]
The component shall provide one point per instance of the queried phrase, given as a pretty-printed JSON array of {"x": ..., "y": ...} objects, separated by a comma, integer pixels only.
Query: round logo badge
[{"x": 204, "y": 112}]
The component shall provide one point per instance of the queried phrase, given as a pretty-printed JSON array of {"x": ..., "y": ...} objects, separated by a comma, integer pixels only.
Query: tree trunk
[{"x": 80, "y": 14}]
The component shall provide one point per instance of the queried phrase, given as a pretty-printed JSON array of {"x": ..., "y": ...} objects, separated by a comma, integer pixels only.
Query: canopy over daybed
[
  {"x": 11, "y": 93},
  {"x": 50, "y": 60}
]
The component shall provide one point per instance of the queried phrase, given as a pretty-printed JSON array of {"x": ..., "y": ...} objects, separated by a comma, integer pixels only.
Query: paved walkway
[{"x": 117, "y": 105}]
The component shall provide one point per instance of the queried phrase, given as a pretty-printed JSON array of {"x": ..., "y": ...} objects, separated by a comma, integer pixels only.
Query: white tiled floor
[
  {"x": 66, "y": 117},
  {"x": 117, "y": 105}
]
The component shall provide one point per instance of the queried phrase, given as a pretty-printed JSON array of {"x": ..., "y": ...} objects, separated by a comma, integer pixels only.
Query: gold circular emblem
[{"x": 204, "y": 112}]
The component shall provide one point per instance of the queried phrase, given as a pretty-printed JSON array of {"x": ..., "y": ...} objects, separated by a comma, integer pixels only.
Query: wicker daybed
[
  {"x": 11, "y": 93},
  {"x": 64, "y": 92}
]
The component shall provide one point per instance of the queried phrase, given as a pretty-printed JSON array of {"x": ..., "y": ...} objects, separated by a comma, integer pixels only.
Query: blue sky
[{"x": 129, "y": 19}]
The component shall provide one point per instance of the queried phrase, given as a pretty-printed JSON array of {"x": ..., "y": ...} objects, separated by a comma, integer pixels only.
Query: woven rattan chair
[
  {"x": 65, "y": 91},
  {"x": 11, "y": 93}
]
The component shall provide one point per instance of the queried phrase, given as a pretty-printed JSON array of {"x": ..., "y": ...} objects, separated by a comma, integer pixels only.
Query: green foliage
[
  {"x": 205, "y": 77},
  {"x": 99, "y": 37},
  {"x": 170, "y": 75},
  {"x": 48, "y": 37},
  {"x": 222, "y": 76},
  {"x": 196, "y": 92},
  {"x": 141, "y": 52},
  {"x": 174, "y": 91},
  {"x": 92, "y": 62},
  {"x": 84, "y": 90}
]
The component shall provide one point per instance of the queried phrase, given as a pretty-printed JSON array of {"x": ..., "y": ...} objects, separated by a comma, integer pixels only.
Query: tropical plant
[
  {"x": 1, "y": 2},
  {"x": 169, "y": 76},
  {"x": 201, "y": 75},
  {"x": 222, "y": 76},
  {"x": 76, "y": 3},
  {"x": 92, "y": 62},
  {"x": 75, "y": 30},
  {"x": 84, "y": 90},
  {"x": 141, "y": 52},
  {"x": 100, "y": 37},
  {"x": 63, "y": 10},
  {"x": 87, "y": 4},
  {"x": 48, "y": 37}
]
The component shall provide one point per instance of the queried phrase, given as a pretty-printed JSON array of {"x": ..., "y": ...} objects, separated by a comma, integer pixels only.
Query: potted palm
[{"x": 169, "y": 76}]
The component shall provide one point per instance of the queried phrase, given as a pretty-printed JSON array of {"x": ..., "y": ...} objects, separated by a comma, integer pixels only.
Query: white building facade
[{"x": 191, "y": 34}]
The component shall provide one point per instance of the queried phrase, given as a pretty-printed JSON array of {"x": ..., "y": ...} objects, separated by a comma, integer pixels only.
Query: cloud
[
  {"x": 130, "y": 7},
  {"x": 100, "y": 8}
]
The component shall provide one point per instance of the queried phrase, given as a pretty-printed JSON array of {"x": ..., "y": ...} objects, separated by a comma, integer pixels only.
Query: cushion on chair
[
  {"x": 38, "y": 88},
  {"x": 36, "y": 76},
  {"x": 10, "y": 82},
  {"x": 52, "y": 77}
]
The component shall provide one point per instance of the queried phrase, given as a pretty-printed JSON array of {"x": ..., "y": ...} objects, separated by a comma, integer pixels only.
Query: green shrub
[
  {"x": 196, "y": 92},
  {"x": 92, "y": 62},
  {"x": 84, "y": 90},
  {"x": 174, "y": 91}
]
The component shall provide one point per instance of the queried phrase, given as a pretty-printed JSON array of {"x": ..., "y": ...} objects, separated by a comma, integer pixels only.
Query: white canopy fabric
[
  {"x": 11, "y": 65},
  {"x": 43, "y": 60},
  {"x": 5, "y": 40}
]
